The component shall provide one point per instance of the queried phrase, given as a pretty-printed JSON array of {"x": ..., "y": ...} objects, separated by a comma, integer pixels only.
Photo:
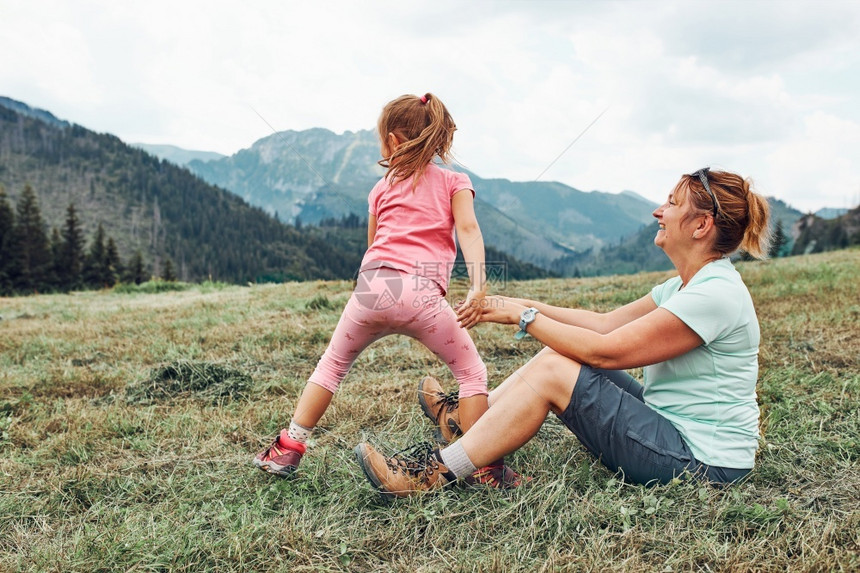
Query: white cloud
[
  {"x": 814, "y": 164},
  {"x": 51, "y": 57},
  {"x": 767, "y": 89}
]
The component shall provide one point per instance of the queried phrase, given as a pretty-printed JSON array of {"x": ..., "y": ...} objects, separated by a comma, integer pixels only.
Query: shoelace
[
  {"x": 414, "y": 460},
  {"x": 487, "y": 475},
  {"x": 450, "y": 400},
  {"x": 274, "y": 450},
  {"x": 498, "y": 475}
]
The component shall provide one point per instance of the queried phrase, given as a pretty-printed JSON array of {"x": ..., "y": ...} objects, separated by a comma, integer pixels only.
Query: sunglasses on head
[{"x": 702, "y": 174}]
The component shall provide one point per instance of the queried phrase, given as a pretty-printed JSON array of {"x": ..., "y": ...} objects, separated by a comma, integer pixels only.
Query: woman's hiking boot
[
  {"x": 407, "y": 472},
  {"x": 420, "y": 468},
  {"x": 441, "y": 408}
]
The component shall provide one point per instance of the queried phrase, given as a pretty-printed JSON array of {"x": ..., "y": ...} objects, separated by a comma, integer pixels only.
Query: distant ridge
[
  {"x": 178, "y": 155},
  {"x": 830, "y": 212},
  {"x": 35, "y": 113}
]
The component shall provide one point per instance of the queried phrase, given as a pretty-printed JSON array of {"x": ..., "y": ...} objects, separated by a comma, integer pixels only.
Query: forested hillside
[
  {"x": 154, "y": 207},
  {"x": 816, "y": 235}
]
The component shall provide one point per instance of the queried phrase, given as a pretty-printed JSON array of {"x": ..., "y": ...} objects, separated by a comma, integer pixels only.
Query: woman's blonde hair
[
  {"x": 425, "y": 129},
  {"x": 742, "y": 216}
]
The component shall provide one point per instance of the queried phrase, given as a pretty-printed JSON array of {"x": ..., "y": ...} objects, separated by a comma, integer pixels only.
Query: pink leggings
[{"x": 387, "y": 301}]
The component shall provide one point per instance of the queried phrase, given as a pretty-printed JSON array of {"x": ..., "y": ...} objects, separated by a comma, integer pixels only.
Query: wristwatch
[{"x": 526, "y": 318}]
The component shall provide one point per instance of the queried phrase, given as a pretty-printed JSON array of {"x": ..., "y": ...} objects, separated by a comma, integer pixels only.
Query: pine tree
[
  {"x": 95, "y": 273},
  {"x": 167, "y": 272},
  {"x": 31, "y": 258},
  {"x": 56, "y": 255},
  {"x": 135, "y": 272},
  {"x": 112, "y": 261},
  {"x": 70, "y": 263},
  {"x": 7, "y": 224},
  {"x": 778, "y": 241}
]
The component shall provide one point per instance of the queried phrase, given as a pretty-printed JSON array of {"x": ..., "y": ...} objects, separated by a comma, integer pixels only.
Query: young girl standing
[{"x": 413, "y": 213}]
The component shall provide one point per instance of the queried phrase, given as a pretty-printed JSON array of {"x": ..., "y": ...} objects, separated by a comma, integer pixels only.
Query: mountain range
[
  {"x": 165, "y": 212},
  {"x": 316, "y": 174},
  {"x": 254, "y": 215}
]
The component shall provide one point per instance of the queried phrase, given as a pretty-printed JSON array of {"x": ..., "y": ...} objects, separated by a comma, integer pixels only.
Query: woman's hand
[
  {"x": 501, "y": 310},
  {"x": 469, "y": 311}
]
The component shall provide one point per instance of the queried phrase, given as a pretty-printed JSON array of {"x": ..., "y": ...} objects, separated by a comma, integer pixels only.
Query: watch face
[{"x": 526, "y": 318}]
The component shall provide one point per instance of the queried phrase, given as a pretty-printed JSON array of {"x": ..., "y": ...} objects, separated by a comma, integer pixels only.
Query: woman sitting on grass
[{"x": 697, "y": 335}]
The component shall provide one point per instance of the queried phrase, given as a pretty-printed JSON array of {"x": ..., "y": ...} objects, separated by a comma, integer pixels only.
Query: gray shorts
[{"x": 608, "y": 415}]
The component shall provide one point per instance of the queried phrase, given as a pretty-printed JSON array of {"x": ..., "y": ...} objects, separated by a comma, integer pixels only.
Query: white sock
[
  {"x": 457, "y": 461},
  {"x": 299, "y": 433}
]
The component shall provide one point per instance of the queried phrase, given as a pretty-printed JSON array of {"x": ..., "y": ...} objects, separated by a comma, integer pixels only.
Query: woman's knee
[{"x": 555, "y": 375}]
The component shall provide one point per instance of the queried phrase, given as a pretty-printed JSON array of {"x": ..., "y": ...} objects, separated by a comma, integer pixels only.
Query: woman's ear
[{"x": 705, "y": 224}]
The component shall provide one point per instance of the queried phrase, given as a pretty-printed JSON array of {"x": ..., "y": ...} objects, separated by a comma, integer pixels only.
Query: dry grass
[{"x": 98, "y": 474}]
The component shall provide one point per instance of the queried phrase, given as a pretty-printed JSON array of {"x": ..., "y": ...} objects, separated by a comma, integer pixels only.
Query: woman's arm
[
  {"x": 596, "y": 321},
  {"x": 650, "y": 338},
  {"x": 472, "y": 245}
]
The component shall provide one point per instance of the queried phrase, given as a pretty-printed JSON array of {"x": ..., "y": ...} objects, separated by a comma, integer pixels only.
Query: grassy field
[{"x": 128, "y": 420}]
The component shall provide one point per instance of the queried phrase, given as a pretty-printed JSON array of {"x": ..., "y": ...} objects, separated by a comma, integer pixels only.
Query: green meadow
[{"x": 129, "y": 417}]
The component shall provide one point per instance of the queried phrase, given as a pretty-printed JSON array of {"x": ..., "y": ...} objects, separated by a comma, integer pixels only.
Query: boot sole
[
  {"x": 360, "y": 456},
  {"x": 274, "y": 469},
  {"x": 423, "y": 402}
]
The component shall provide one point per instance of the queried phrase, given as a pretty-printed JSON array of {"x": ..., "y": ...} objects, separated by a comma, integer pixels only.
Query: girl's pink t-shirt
[{"x": 415, "y": 228}]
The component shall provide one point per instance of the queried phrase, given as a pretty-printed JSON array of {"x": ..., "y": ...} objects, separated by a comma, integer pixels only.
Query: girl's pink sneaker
[{"x": 282, "y": 457}]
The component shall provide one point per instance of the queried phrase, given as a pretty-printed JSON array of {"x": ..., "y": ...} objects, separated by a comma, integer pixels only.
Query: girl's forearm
[{"x": 472, "y": 246}]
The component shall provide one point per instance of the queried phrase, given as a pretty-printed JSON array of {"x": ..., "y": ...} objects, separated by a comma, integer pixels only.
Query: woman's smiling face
[{"x": 671, "y": 216}]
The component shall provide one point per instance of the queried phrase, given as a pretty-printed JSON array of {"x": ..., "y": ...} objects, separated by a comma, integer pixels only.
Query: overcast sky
[{"x": 768, "y": 89}]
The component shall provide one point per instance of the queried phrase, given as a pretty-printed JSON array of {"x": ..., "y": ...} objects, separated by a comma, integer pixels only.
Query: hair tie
[{"x": 424, "y": 99}]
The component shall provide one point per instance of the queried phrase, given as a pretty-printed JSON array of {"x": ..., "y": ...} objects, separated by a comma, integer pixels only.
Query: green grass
[{"x": 128, "y": 420}]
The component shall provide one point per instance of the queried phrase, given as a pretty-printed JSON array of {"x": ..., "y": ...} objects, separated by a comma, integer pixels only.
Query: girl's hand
[
  {"x": 501, "y": 310},
  {"x": 469, "y": 311}
]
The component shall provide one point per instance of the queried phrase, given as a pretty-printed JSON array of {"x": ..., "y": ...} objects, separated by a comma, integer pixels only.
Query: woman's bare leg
[{"x": 542, "y": 385}]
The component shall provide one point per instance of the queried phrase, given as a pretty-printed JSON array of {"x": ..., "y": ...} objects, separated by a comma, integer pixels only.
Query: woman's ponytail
[
  {"x": 757, "y": 236},
  {"x": 743, "y": 218}
]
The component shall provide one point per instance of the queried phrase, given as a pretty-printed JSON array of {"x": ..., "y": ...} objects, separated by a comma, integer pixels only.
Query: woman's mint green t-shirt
[{"x": 709, "y": 393}]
